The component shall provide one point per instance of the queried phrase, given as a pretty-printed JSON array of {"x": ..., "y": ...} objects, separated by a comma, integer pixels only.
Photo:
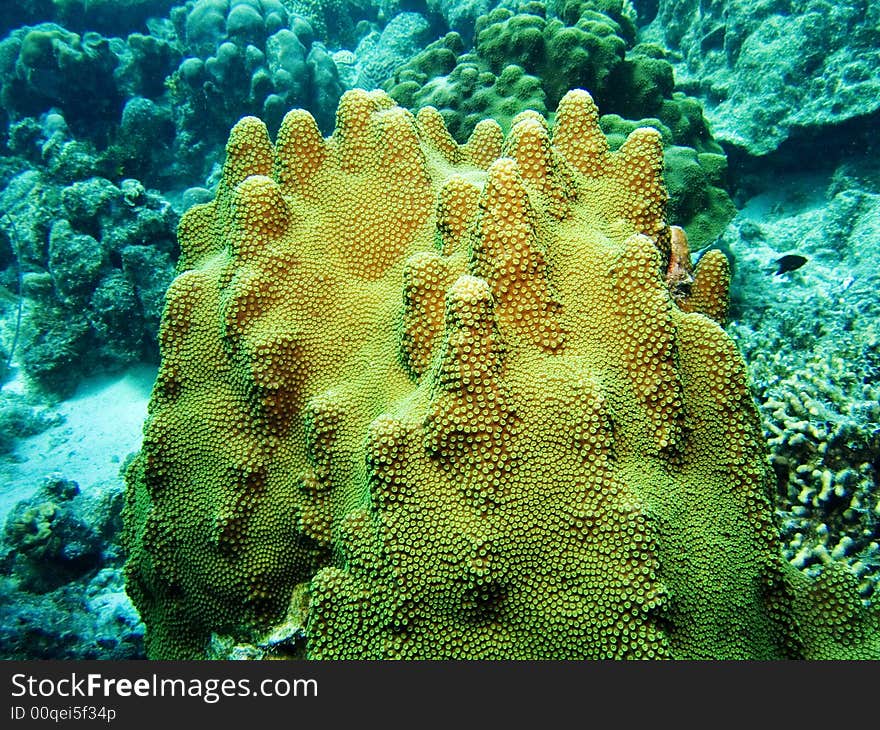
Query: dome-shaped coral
[{"x": 437, "y": 400}]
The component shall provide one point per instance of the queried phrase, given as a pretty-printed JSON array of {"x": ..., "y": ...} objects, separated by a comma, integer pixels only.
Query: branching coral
[{"x": 423, "y": 399}]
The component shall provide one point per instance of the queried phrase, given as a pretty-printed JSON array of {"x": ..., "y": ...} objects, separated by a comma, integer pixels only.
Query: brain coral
[{"x": 423, "y": 399}]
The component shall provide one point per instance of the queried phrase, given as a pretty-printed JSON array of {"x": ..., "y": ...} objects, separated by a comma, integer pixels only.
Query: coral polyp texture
[{"x": 420, "y": 399}]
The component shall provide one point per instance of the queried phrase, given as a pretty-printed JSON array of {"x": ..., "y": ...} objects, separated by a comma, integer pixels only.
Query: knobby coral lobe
[{"x": 423, "y": 399}]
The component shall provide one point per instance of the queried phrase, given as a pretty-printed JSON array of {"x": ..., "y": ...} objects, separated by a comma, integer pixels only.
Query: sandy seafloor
[{"x": 102, "y": 424}]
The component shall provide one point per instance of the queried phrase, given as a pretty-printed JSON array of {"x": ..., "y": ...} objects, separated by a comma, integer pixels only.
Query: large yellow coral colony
[{"x": 431, "y": 400}]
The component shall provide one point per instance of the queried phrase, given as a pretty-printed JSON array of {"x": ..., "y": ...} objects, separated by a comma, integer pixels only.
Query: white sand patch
[{"x": 102, "y": 425}]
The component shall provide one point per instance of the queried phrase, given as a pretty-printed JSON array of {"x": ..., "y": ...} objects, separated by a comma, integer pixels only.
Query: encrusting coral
[{"x": 427, "y": 400}]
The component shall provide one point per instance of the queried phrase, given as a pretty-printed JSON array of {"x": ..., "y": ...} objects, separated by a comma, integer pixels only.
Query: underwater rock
[
  {"x": 93, "y": 299},
  {"x": 145, "y": 61},
  {"x": 86, "y": 81},
  {"x": 473, "y": 424},
  {"x": 766, "y": 69},
  {"x": 74, "y": 262},
  {"x": 61, "y": 584},
  {"x": 22, "y": 416},
  {"x": 47, "y": 66},
  {"x": 47, "y": 543},
  {"x": 77, "y": 621},
  {"x": 144, "y": 143},
  {"x": 110, "y": 17}
]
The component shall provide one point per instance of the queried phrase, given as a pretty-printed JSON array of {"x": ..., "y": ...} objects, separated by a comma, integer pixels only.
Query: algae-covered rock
[
  {"x": 49, "y": 543},
  {"x": 767, "y": 69},
  {"x": 95, "y": 258},
  {"x": 60, "y": 580},
  {"x": 46, "y": 65},
  {"x": 21, "y": 417}
]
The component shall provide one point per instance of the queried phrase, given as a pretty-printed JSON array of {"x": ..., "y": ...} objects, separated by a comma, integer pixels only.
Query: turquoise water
[{"x": 113, "y": 123}]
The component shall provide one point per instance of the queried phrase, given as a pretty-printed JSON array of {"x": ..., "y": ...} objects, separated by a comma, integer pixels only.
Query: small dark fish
[{"x": 789, "y": 262}]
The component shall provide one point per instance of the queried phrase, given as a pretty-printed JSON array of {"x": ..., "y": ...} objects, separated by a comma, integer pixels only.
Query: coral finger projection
[{"x": 420, "y": 399}]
